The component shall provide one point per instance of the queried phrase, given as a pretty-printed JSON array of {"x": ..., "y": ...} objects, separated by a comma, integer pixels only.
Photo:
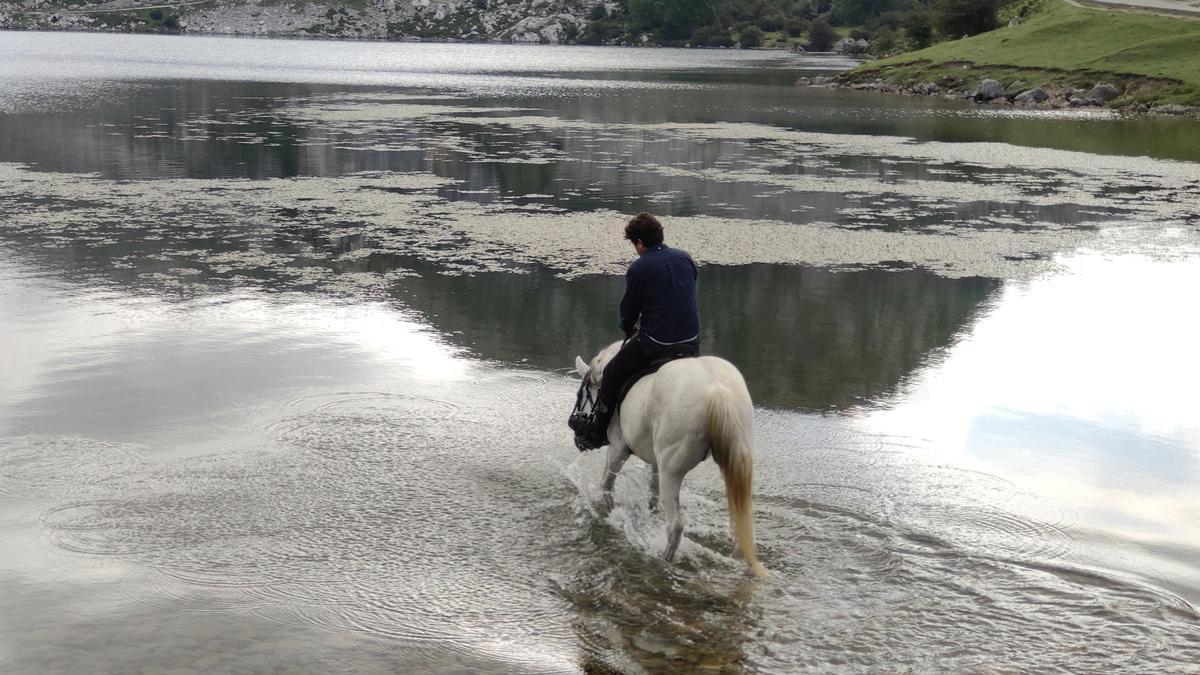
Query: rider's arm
[{"x": 631, "y": 304}]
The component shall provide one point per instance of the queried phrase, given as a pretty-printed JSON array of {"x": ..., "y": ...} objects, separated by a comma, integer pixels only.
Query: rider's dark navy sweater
[{"x": 660, "y": 288}]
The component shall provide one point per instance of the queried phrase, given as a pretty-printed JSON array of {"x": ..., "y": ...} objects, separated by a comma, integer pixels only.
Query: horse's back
[
  {"x": 703, "y": 375},
  {"x": 681, "y": 393}
]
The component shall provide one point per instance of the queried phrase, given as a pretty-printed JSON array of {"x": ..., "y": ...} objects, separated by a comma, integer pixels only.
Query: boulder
[
  {"x": 1102, "y": 92},
  {"x": 987, "y": 90},
  {"x": 1030, "y": 96},
  {"x": 851, "y": 46}
]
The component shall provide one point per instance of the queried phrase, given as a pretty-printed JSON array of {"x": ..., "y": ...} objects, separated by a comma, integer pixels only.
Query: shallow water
[{"x": 286, "y": 329}]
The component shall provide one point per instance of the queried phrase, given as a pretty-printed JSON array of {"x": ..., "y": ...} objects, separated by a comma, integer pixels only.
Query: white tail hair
[{"x": 732, "y": 449}]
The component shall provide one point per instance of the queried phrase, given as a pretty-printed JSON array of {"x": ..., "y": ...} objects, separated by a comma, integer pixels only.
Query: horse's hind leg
[
  {"x": 617, "y": 454},
  {"x": 654, "y": 487},
  {"x": 670, "y": 501}
]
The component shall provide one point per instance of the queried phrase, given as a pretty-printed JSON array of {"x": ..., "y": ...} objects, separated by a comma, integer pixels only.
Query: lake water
[{"x": 286, "y": 330}]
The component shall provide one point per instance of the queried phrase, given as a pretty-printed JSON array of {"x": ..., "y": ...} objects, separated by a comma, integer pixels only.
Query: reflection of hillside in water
[{"x": 804, "y": 338}]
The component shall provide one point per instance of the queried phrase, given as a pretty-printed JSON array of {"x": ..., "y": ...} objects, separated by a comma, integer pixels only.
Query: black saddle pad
[{"x": 650, "y": 369}]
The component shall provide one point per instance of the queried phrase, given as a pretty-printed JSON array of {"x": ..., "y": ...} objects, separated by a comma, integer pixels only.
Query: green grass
[{"x": 1061, "y": 42}]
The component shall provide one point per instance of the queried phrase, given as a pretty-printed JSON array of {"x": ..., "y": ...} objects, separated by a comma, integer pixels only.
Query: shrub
[
  {"x": 821, "y": 36},
  {"x": 890, "y": 20},
  {"x": 884, "y": 42},
  {"x": 598, "y": 12},
  {"x": 794, "y": 27},
  {"x": 711, "y": 36},
  {"x": 859, "y": 34},
  {"x": 751, "y": 37},
  {"x": 599, "y": 32},
  {"x": 156, "y": 15},
  {"x": 771, "y": 23}
]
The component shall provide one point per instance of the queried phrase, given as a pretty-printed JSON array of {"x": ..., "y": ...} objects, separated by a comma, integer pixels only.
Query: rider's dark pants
[{"x": 633, "y": 356}]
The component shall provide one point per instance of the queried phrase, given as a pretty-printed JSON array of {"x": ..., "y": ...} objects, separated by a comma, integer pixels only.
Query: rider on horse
[{"x": 660, "y": 291}]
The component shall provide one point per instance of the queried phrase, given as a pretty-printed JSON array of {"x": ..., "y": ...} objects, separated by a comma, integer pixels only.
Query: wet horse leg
[
  {"x": 671, "y": 483},
  {"x": 654, "y": 487},
  {"x": 617, "y": 454}
]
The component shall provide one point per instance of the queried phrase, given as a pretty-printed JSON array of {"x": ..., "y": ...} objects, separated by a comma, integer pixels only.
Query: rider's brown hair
[{"x": 645, "y": 227}]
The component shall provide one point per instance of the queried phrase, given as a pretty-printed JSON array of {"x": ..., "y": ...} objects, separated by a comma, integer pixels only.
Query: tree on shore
[
  {"x": 889, "y": 25},
  {"x": 821, "y": 36},
  {"x": 750, "y": 37},
  {"x": 859, "y": 12},
  {"x": 919, "y": 29},
  {"x": 957, "y": 18},
  {"x": 673, "y": 19}
]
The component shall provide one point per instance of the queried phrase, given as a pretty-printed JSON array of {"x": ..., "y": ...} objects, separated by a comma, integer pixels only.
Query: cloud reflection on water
[{"x": 1081, "y": 387}]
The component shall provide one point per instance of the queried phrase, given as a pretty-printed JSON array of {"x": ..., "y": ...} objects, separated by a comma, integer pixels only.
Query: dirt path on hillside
[{"x": 1174, "y": 8}]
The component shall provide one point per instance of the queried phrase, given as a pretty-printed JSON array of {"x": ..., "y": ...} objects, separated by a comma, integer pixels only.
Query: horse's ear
[{"x": 581, "y": 367}]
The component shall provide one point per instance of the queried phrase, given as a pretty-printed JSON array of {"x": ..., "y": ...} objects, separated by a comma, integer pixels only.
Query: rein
[{"x": 585, "y": 404}]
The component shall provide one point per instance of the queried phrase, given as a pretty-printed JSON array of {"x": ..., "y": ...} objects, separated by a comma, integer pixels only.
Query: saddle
[
  {"x": 650, "y": 369},
  {"x": 583, "y": 417}
]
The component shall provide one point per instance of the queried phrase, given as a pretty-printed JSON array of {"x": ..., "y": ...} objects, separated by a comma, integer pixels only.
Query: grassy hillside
[{"x": 1066, "y": 45}]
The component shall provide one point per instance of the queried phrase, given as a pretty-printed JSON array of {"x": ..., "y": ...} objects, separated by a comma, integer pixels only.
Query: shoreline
[
  {"x": 411, "y": 39},
  {"x": 992, "y": 93},
  {"x": 1058, "y": 55}
]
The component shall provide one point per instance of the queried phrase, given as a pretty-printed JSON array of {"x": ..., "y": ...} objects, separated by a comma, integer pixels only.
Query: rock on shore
[{"x": 989, "y": 91}]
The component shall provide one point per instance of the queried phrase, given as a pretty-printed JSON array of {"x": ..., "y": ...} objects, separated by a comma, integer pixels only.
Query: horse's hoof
[
  {"x": 608, "y": 501},
  {"x": 674, "y": 535},
  {"x": 653, "y": 505}
]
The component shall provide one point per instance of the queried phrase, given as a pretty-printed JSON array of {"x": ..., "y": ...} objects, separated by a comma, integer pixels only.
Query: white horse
[{"x": 672, "y": 419}]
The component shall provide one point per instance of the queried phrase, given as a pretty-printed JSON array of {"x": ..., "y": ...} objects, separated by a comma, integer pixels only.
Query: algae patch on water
[{"x": 285, "y": 231}]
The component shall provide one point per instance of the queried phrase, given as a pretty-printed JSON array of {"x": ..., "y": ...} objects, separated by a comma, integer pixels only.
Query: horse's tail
[{"x": 730, "y": 431}]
